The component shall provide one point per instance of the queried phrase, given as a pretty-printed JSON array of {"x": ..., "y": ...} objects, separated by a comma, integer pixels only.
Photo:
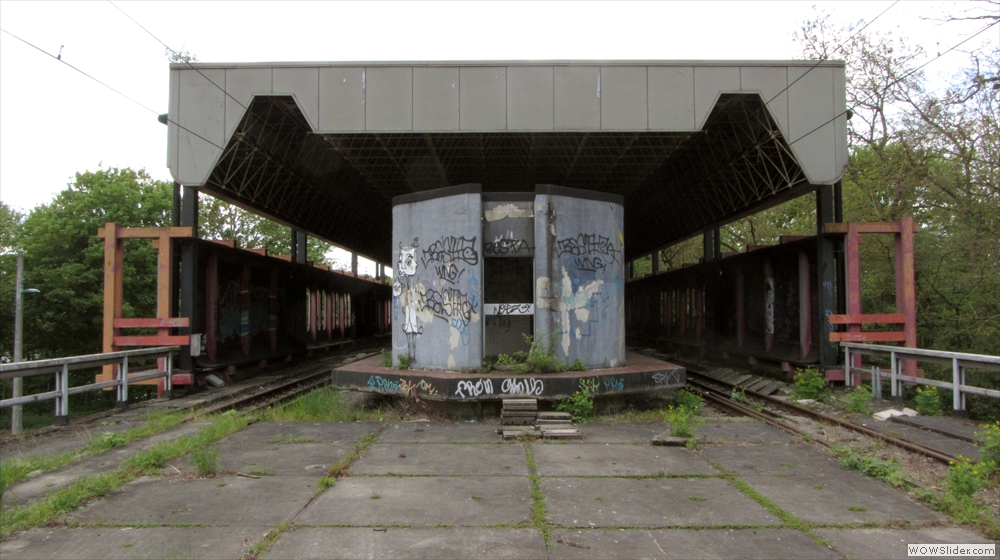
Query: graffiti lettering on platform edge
[
  {"x": 406, "y": 387},
  {"x": 505, "y": 246},
  {"x": 589, "y": 245},
  {"x": 661, "y": 378},
  {"x": 518, "y": 386},
  {"x": 614, "y": 384},
  {"x": 378, "y": 383},
  {"x": 589, "y": 386},
  {"x": 450, "y": 249},
  {"x": 474, "y": 388},
  {"x": 449, "y": 304}
]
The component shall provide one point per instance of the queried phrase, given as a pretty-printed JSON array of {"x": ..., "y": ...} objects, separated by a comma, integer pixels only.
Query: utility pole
[{"x": 15, "y": 413}]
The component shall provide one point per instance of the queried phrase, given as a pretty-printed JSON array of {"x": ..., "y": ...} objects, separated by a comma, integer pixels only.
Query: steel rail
[
  {"x": 822, "y": 417},
  {"x": 713, "y": 396}
]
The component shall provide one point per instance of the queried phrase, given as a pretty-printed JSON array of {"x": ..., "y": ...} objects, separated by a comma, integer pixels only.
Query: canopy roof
[{"x": 324, "y": 147}]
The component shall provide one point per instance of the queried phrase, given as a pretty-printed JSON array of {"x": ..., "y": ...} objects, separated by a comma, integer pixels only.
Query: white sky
[{"x": 55, "y": 122}]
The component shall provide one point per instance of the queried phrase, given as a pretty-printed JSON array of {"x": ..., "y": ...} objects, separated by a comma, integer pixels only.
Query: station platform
[{"x": 641, "y": 374}]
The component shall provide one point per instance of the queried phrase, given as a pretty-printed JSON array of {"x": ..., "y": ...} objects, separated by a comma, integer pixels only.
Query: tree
[
  {"x": 64, "y": 258},
  {"x": 10, "y": 233},
  {"x": 220, "y": 220}
]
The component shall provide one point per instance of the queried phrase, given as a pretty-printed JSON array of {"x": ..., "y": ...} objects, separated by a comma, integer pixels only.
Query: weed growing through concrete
[
  {"x": 697, "y": 499},
  {"x": 884, "y": 470},
  {"x": 928, "y": 401},
  {"x": 321, "y": 405},
  {"x": 858, "y": 508},
  {"x": 858, "y": 399},
  {"x": 206, "y": 460},
  {"x": 148, "y": 462},
  {"x": 386, "y": 358},
  {"x": 265, "y": 544},
  {"x": 539, "y": 511},
  {"x": 809, "y": 384},
  {"x": 13, "y": 471},
  {"x": 580, "y": 405}
]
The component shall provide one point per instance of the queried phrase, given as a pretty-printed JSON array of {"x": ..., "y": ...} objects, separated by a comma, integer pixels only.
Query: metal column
[
  {"x": 189, "y": 274},
  {"x": 826, "y": 280}
]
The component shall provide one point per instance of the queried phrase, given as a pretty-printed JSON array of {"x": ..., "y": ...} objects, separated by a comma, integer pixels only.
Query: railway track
[{"x": 718, "y": 393}]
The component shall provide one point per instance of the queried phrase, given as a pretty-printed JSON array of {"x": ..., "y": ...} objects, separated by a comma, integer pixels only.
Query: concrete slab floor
[
  {"x": 288, "y": 459},
  {"x": 580, "y": 459},
  {"x": 437, "y": 432},
  {"x": 453, "y": 543},
  {"x": 302, "y": 432},
  {"x": 422, "y": 501},
  {"x": 649, "y": 502},
  {"x": 127, "y": 543},
  {"x": 847, "y": 497},
  {"x": 891, "y": 543},
  {"x": 773, "y": 459},
  {"x": 619, "y": 432},
  {"x": 443, "y": 459},
  {"x": 686, "y": 543},
  {"x": 262, "y": 502},
  {"x": 740, "y": 433},
  {"x": 34, "y": 488}
]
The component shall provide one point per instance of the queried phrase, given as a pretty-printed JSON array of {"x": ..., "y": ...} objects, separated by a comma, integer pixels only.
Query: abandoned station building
[{"x": 510, "y": 199}]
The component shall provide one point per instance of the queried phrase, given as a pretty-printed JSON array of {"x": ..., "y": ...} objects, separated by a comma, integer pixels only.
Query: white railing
[
  {"x": 959, "y": 362},
  {"x": 62, "y": 366}
]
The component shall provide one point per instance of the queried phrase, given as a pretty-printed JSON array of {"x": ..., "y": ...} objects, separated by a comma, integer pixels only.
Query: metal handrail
[
  {"x": 62, "y": 366},
  {"x": 959, "y": 362}
]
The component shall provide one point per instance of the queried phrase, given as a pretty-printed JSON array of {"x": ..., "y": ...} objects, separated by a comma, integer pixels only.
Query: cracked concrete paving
[{"x": 435, "y": 490}]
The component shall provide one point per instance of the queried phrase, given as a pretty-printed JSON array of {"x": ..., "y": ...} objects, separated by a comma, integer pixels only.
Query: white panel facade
[
  {"x": 623, "y": 98},
  {"x": 709, "y": 83},
  {"x": 811, "y": 132},
  {"x": 341, "y": 99},
  {"x": 303, "y": 85},
  {"x": 529, "y": 98},
  {"x": 435, "y": 99},
  {"x": 577, "y": 97},
  {"x": 771, "y": 82},
  {"x": 389, "y": 99},
  {"x": 202, "y": 113},
  {"x": 241, "y": 85},
  {"x": 483, "y": 98},
  {"x": 671, "y": 98}
]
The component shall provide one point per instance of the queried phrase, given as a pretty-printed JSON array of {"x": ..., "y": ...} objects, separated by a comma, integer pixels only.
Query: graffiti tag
[
  {"x": 449, "y": 249},
  {"x": 474, "y": 388},
  {"x": 514, "y": 386}
]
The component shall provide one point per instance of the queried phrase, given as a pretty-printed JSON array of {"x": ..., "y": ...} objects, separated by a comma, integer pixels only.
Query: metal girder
[{"x": 339, "y": 187}]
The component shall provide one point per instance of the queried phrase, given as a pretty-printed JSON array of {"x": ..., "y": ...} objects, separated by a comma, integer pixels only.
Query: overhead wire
[
  {"x": 140, "y": 104},
  {"x": 899, "y": 79}
]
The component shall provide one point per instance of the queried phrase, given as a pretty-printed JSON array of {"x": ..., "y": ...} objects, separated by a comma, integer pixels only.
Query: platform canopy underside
[{"x": 338, "y": 186}]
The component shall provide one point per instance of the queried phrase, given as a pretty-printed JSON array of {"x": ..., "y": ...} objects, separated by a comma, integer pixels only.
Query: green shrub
[
  {"x": 928, "y": 401},
  {"x": 404, "y": 361},
  {"x": 688, "y": 399},
  {"x": 888, "y": 471},
  {"x": 577, "y": 365},
  {"x": 386, "y": 358},
  {"x": 739, "y": 395},
  {"x": 108, "y": 440},
  {"x": 809, "y": 384},
  {"x": 683, "y": 421},
  {"x": 965, "y": 478},
  {"x": 206, "y": 460},
  {"x": 858, "y": 399},
  {"x": 989, "y": 449},
  {"x": 505, "y": 360},
  {"x": 580, "y": 406}
]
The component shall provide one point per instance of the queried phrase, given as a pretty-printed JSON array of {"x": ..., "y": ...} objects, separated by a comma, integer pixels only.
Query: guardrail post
[
  {"x": 957, "y": 397},
  {"x": 62, "y": 402},
  {"x": 847, "y": 367},
  {"x": 122, "y": 403},
  {"x": 169, "y": 385},
  {"x": 876, "y": 382},
  {"x": 893, "y": 372}
]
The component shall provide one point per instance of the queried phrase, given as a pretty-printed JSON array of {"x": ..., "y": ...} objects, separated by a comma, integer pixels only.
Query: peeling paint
[
  {"x": 507, "y": 211},
  {"x": 451, "y": 361},
  {"x": 455, "y": 338}
]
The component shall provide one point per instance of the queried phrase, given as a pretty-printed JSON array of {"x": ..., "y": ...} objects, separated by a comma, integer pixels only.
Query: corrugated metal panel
[{"x": 341, "y": 99}]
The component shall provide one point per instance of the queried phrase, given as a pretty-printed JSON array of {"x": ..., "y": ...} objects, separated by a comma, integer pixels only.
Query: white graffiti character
[{"x": 406, "y": 267}]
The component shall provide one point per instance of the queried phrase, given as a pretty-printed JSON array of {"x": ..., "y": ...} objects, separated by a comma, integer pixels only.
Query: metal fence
[
  {"x": 959, "y": 361},
  {"x": 61, "y": 367}
]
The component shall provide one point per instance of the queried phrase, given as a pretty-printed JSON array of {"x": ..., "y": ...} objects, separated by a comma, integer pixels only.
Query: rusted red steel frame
[
  {"x": 906, "y": 308},
  {"x": 114, "y": 256}
]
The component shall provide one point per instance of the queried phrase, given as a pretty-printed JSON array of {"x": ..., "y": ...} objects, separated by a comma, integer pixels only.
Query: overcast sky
[{"x": 55, "y": 122}]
